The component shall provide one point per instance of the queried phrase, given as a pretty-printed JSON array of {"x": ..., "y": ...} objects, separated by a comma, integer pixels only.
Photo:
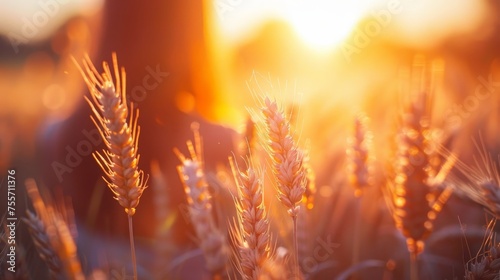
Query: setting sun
[
  {"x": 324, "y": 24},
  {"x": 321, "y": 24}
]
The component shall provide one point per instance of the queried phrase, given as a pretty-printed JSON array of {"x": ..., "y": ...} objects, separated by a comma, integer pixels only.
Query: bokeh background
[
  {"x": 332, "y": 53},
  {"x": 329, "y": 59}
]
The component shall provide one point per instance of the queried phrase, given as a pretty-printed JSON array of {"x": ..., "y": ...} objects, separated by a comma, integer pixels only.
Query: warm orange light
[
  {"x": 185, "y": 101},
  {"x": 323, "y": 24}
]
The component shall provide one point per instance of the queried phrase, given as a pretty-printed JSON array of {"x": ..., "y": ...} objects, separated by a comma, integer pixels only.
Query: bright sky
[
  {"x": 325, "y": 23},
  {"x": 320, "y": 23},
  {"x": 36, "y": 19}
]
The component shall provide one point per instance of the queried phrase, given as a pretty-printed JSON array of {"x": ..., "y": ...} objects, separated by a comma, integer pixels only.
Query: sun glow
[{"x": 322, "y": 24}]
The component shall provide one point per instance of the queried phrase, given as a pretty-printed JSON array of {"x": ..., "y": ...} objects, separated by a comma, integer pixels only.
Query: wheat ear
[
  {"x": 486, "y": 264},
  {"x": 286, "y": 156},
  {"x": 212, "y": 241},
  {"x": 359, "y": 172},
  {"x": 109, "y": 105},
  {"x": 358, "y": 155},
  {"x": 480, "y": 181},
  {"x": 120, "y": 161},
  {"x": 413, "y": 194},
  {"x": 165, "y": 247},
  {"x": 43, "y": 246},
  {"x": 288, "y": 168},
  {"x": 254, "y": 240},
  {"x": 51, "y": 230}
]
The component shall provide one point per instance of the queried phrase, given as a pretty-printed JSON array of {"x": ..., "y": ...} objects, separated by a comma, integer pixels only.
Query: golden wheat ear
[
  {"x": 358, "y": 155},
  {"x": 413, "y": 194},
  {"x": 120, "y": 160},
  {"x": 486, "y": 264},
  {"x": 416, "y": 192},
  {"x": 288, "y": 165},
  {"x": 287, "y": 158},
  {"x": 251, "y": 234}
]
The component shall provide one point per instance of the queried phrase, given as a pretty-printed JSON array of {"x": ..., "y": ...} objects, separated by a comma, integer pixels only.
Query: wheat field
[
  {"x": 148, "y": 141},
  {"x": 273, "y": 228}
]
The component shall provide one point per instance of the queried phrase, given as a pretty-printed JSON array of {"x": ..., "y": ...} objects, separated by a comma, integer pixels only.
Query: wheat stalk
[
  {"x": 288, "y": 168},
  {"x": 413, "y": 194},
  {"x": 109, "y": 105},
  {"x": 51, "y": 230},
  {"x": 254, "y": 240},
  {"x": 191, "y": 172},
  {"x": 121, "y": 159},
  {"x": 286, "y": 156},
  {"x": 358, "y": 168}
]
